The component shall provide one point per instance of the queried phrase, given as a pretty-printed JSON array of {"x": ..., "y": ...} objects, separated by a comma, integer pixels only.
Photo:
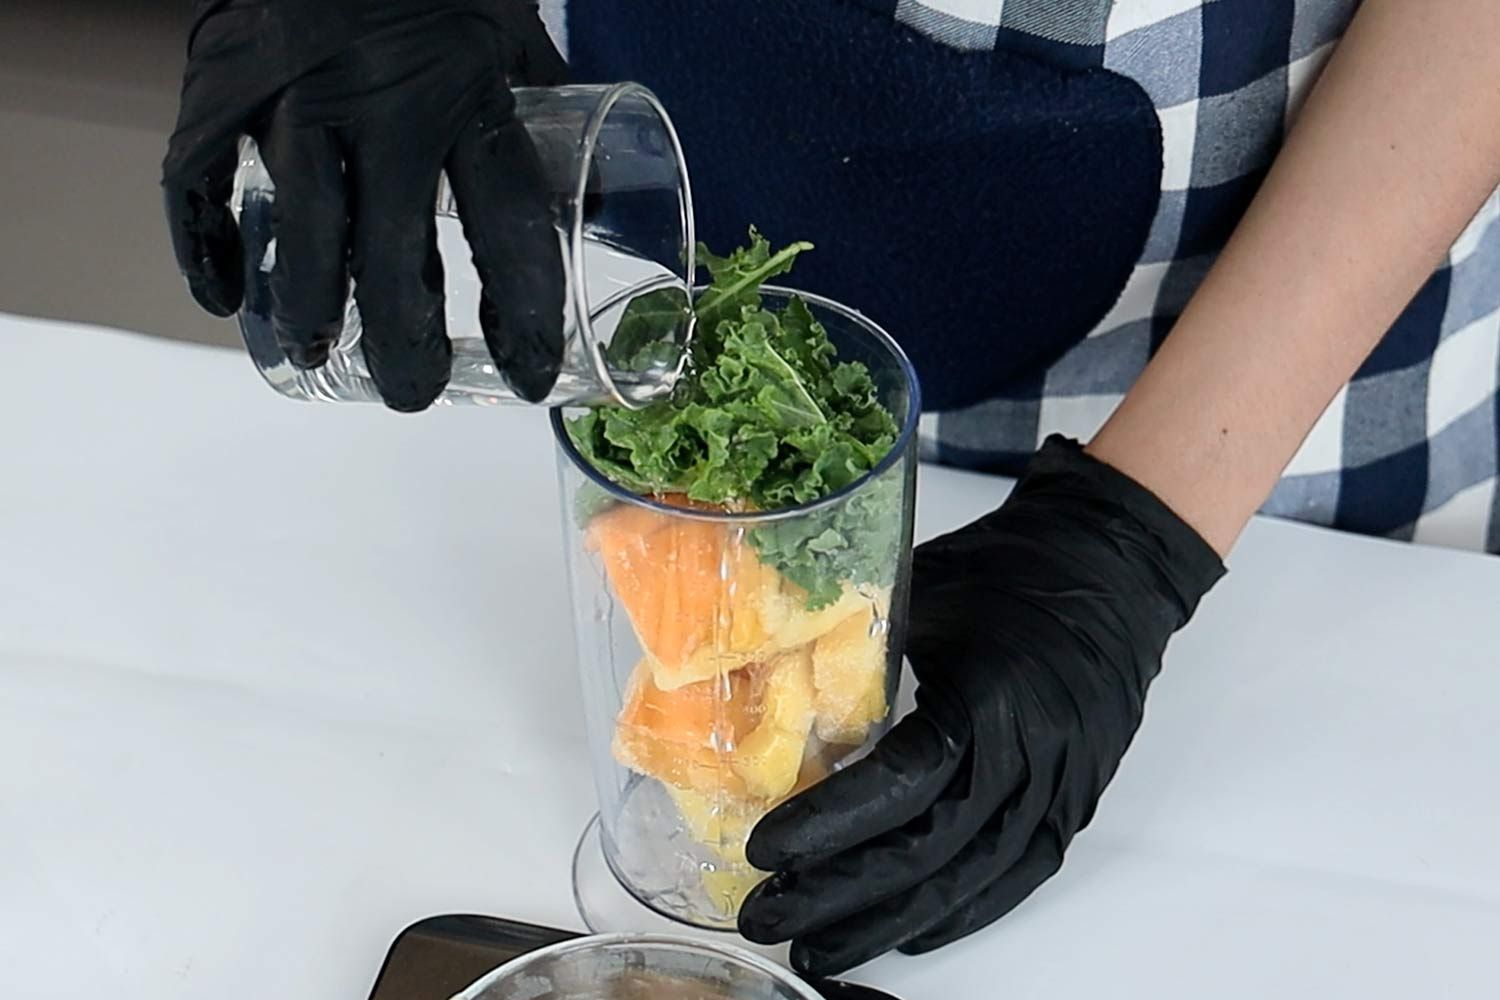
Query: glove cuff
[{"x": 1181, "y": 559}]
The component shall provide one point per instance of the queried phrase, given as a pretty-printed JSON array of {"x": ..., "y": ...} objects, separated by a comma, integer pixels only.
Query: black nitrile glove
[
  {"x": 1034, "y": 633},
  {"x": 356, "y": 107}
]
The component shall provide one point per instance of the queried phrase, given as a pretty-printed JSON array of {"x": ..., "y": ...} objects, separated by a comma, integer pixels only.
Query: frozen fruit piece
[
  {"x": 718, "y": 821},
  {"x": 665, "y": 571},
  {"x": 738, "y": 636},
  {"x": 849, "y": 675},
  {"x": 770, "y": 756},
  {"x": 682, "y": 736},
  {"x": 784, "y": 614},
  {"x": 692, "y": 589},
  {"x": 727, "y": 887}
]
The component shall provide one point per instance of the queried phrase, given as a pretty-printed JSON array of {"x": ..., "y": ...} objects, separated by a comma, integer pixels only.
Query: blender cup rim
[
  {"x": 894, "y": 455},
  {"x": 649, "y": 941}
]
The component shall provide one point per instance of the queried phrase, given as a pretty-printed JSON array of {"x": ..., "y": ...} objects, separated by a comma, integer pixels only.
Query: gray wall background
[{"x": 88, "y": 93}]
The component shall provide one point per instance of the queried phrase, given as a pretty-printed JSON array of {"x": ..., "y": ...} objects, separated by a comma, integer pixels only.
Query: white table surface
[{"x": 277, "y": 679}]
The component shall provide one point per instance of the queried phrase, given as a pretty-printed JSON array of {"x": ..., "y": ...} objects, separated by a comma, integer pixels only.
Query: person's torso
[{"x": 1026, "y": 194}]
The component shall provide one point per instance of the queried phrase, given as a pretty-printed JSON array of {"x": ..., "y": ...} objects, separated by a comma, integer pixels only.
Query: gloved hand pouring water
[{"x": 356, "y": 107}]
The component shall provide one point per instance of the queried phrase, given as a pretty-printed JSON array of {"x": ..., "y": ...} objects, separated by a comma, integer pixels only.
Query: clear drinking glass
[
  {"x": 638, "y": 967},
  {"x": 714, "y": 686},
  {"x": 624, "y": 219}
]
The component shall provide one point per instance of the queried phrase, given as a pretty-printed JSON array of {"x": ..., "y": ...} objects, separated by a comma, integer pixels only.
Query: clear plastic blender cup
[
  {"x": 715, "y": 686},
  {"x": 623, "y": 213}
]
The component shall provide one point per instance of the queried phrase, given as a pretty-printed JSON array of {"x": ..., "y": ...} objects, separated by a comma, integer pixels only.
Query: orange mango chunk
[
  {"x": 683, "y": 736},
  {"x": 692, "y": 589}
]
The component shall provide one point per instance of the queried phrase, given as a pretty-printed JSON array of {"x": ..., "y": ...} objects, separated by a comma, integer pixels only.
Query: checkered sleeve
[{"x": 1406, "y": 450}]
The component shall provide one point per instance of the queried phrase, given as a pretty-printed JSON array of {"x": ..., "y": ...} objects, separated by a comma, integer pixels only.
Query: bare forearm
[{"x": 1396, "y": 148}]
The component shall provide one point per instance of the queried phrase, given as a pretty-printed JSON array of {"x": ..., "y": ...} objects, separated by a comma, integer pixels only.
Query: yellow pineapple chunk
[
  {"x": 770, "y": 756},
  {"x": 718, "y": 821},
  {"x": 784, "y": 614},
  {"x": 727, "y": 887},
  {"x": 849, "y": 675}
]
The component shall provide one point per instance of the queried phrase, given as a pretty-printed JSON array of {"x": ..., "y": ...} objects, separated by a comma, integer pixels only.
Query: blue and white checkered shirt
[{"x": 1408, "y": 449}]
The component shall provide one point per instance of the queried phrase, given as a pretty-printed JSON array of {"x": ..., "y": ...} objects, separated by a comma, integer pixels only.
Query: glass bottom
[{"x": 608, "y": 907}]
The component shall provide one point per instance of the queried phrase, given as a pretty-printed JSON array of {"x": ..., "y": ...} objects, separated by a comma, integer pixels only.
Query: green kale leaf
[
  {"x": 646, "y": 336},
  {"x": 765, "y": 416}
]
